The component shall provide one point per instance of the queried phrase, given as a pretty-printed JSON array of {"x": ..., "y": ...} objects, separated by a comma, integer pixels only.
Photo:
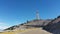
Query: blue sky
[{"x": 14, "y": 12}]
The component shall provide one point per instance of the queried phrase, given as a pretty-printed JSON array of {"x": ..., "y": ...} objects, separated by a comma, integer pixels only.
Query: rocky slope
[{"x": 53, "y": 26}]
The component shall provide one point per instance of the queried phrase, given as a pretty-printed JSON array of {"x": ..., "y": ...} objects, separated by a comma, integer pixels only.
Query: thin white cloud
[{"x": 3, "y": 25}]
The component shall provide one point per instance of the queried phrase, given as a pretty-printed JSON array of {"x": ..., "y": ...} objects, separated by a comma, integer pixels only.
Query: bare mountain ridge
[{"x": 29, "y": 24}]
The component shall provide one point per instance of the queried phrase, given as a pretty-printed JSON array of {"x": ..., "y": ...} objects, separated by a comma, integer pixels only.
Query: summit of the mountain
[{"x": 29, "y": 24}]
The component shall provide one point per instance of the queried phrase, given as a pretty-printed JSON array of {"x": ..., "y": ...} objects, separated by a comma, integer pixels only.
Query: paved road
[{"x": 37, "y": 31}]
